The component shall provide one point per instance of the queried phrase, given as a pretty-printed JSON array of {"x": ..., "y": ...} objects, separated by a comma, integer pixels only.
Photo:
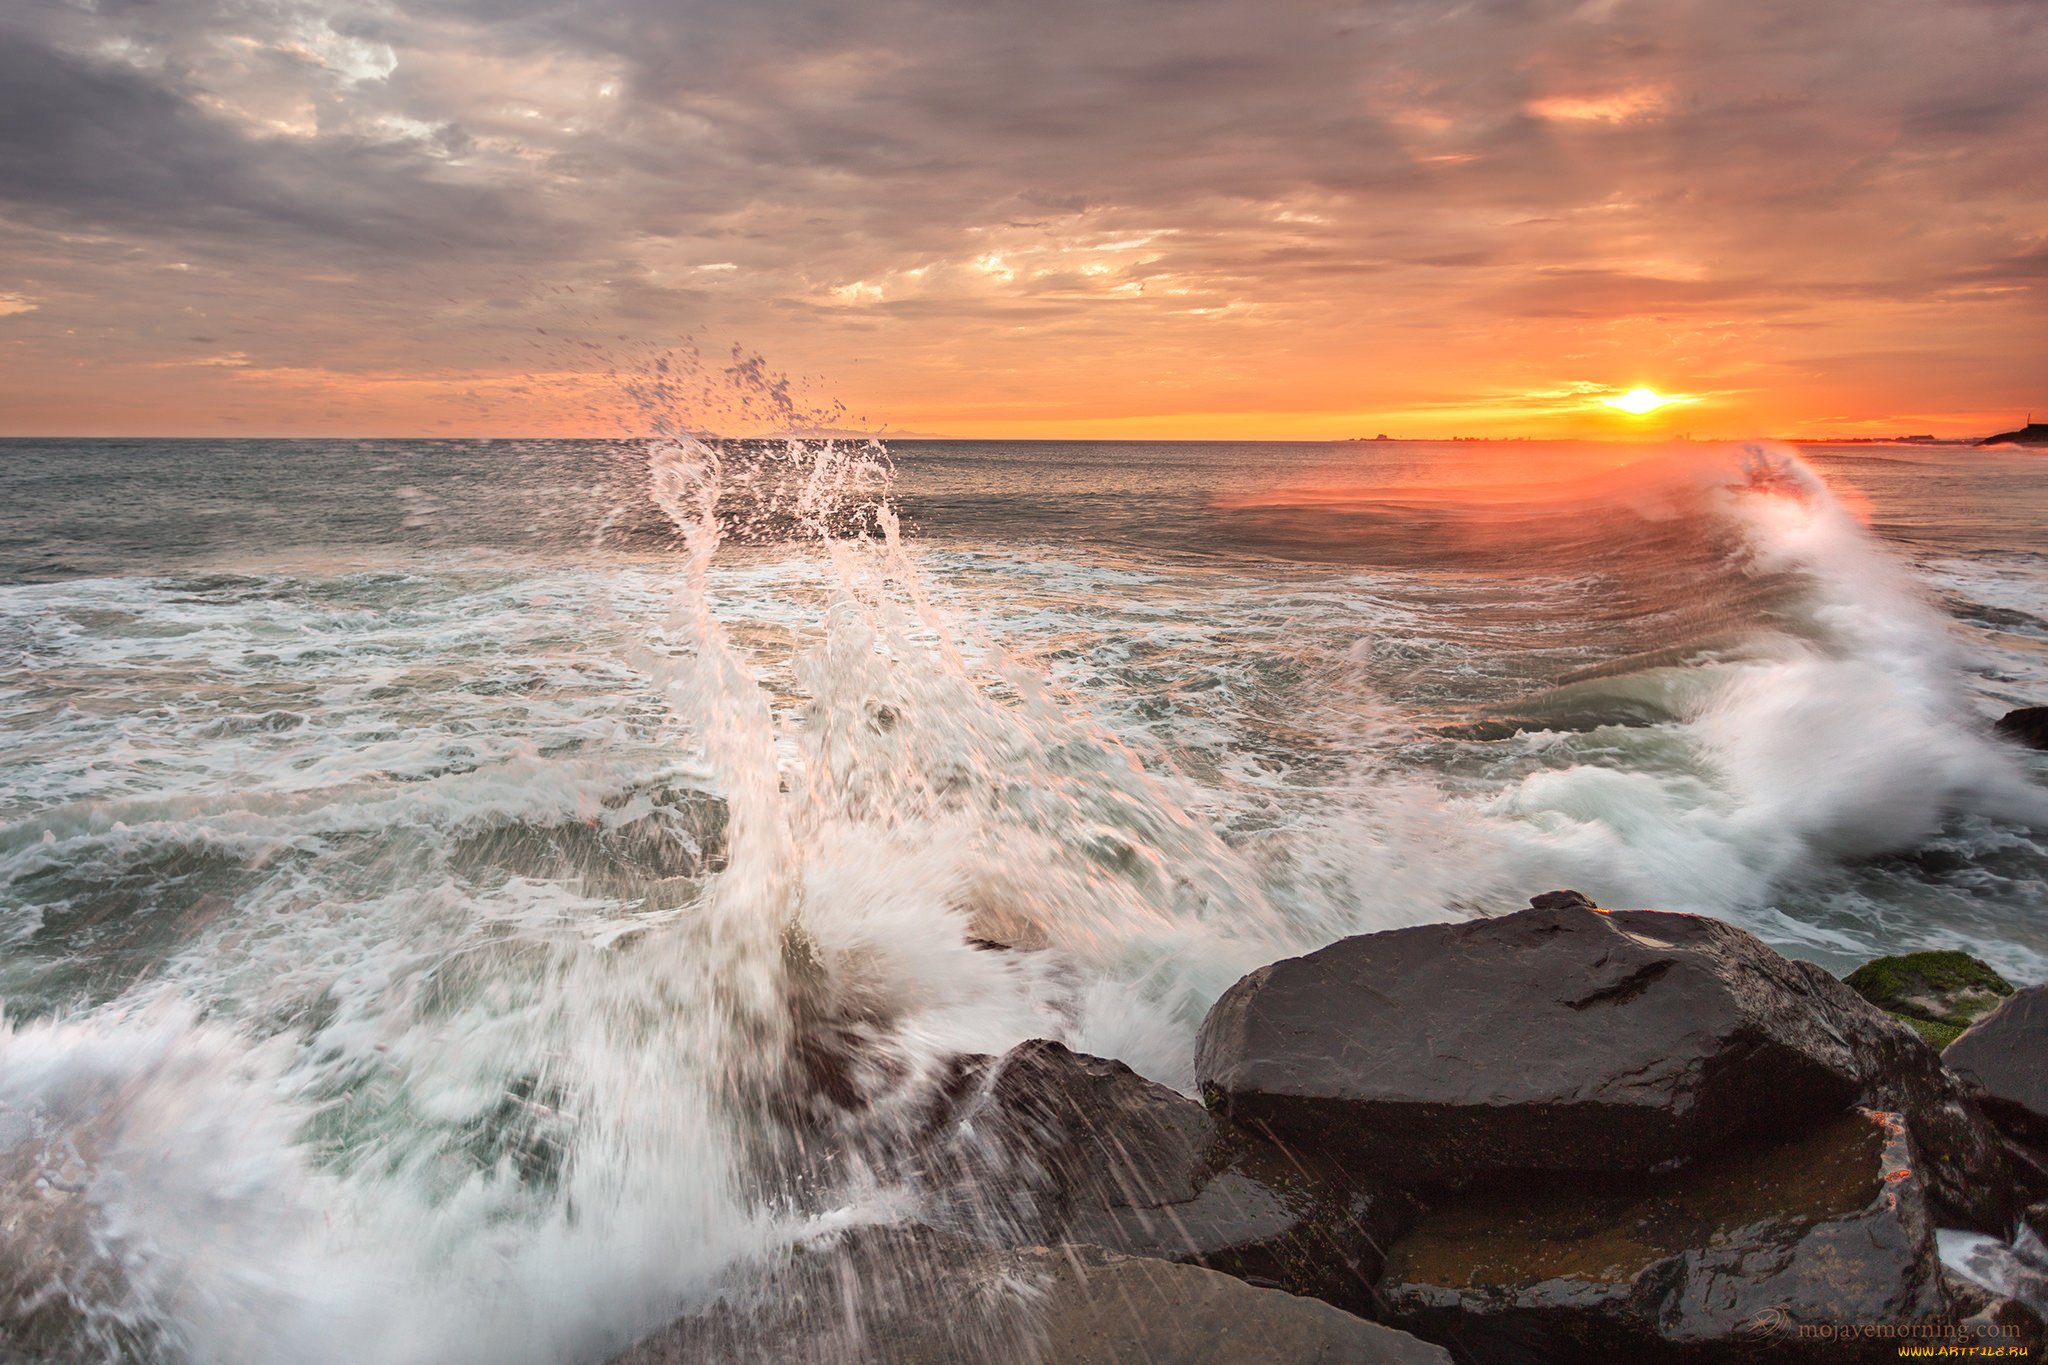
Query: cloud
[
  {"x": 1618, "y": 106},
  {"x": 112, "y": 146},
  {"x": 889, "y": 185}
]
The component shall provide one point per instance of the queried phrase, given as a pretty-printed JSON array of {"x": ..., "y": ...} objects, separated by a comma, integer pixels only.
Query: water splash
[
  {"x": 1772, "y": 749},
  {"x": 526, "y": 1122}
]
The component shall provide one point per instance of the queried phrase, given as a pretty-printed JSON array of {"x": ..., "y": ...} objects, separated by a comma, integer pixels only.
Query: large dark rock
[
  {"x": 1059, "y": 1146},
  {"x": 1568, "y": 1039},
  {"x": 2003, "y": 1061},
  {"x": 2028, "y": 726},
  {"x": 1726, "y": 1259},
  {"x": 919, "y": 1297}
]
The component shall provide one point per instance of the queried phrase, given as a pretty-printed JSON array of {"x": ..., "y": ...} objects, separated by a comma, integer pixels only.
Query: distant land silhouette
[{"x": 2032, "y": 434}]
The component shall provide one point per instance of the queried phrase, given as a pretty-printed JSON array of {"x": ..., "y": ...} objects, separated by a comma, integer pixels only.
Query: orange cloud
[
  {"x": 1619, "y": 106},
  {"x": 1300, "y": 221}
]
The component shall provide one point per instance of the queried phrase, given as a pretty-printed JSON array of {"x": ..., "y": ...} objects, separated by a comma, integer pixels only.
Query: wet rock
[
  {"x": 1939, "y": 994},
  {"x": 1562, "y": 900},
  {"x": 922, "y": 1298},
  {"x": 846, "y": 1058},
  {"x": 1727, "y": 1259},
  {"x": 1567, "y": 1039},
  {"x": 50, "y": 1276},
  {"x": 75, "y": 1284},
  {"x": 1986, "y": 1316},
  {"x": 2003, "y": 1061},
  {"x": 1060, "y": 1146},
  {"x": 2028, "y": 726},
  {"x": 840, "y": 1060}
]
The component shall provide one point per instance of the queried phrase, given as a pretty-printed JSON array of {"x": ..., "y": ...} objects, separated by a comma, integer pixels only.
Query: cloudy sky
[{"x": 1028, "y": 217}]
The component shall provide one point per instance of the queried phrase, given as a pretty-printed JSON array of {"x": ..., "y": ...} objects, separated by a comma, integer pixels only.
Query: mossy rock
[
  {"x": 1939, "y": 993},
  {"x": 1938, "y": 1036}
]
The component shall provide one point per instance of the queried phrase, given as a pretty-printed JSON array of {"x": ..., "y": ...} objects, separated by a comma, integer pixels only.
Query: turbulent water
[{"x": 428, "y": 869}]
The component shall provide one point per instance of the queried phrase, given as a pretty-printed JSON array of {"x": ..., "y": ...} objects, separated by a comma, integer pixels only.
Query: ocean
[{"x": 409, "y": 849}]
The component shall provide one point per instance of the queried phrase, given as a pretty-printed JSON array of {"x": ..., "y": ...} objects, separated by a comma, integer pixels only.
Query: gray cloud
[
  {"x": 467, "y": 170},
  {"x": 109, "y": 146}
]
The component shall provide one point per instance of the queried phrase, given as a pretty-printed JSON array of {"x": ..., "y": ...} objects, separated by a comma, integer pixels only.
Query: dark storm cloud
[{"x": 116, "y": 148}]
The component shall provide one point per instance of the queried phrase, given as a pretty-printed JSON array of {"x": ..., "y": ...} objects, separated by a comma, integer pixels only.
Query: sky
[{"x": 1061, "y": 218}]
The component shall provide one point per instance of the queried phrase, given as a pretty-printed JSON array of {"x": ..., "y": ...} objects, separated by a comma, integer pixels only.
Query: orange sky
[{"x": 1286, "y": 220}]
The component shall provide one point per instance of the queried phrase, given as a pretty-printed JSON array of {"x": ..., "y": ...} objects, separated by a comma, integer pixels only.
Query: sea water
[{"x": 421, "y": 861}]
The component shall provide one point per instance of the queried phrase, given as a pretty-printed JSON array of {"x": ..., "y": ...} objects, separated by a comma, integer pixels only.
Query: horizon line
[{"x": 841, "y": 434}]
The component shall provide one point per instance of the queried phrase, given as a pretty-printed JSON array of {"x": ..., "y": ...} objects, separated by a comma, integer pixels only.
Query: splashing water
[
  {"x": 396, "y": 1086},
  {"x": 532, "y": 1132}
]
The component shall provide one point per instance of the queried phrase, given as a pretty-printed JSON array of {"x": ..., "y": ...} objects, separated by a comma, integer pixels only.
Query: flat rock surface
[
  {"x": 1570, "y": 1039},
  {"x": 916, "y": 1297},
  {"x": 1724, "y": 1260}
]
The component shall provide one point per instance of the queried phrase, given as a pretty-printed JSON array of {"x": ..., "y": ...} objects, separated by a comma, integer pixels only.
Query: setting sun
[{"x": 1638, "y": 402}]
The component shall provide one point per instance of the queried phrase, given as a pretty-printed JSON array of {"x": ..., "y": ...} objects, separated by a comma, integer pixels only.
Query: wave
[
  {"x": 463, "y": 1049},
  {"x": 1821, "y": 723}
]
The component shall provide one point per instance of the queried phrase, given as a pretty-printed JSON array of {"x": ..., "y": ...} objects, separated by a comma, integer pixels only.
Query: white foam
[{"x": 1845, "y": 737}]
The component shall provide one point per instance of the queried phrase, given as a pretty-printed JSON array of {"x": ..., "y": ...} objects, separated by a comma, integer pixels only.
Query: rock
[
  {"x": 2003, "y": 1062},
  {"x": 1939, "y": 994},
  {"x": 2028, "y": 726},
  {"x": 2032, "y": 434},
  {"x": 1999, "y": 1290},
  {"x": 2007, "y": 1323},
  {"x": 1567, "y": 1039},
  {"x": 1060, "y": 1146},
  {"x": 61, "y": 1283},
  {"x": 1562, "y": 900},
  {"x": 1988, "y": 1317},
  {"x": 919, "y": 1297},
  {"x": 1726, "y": 1259}
]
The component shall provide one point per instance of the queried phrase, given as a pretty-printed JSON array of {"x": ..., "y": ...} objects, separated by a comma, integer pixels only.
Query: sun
[{"x": 1638, "y": 402}]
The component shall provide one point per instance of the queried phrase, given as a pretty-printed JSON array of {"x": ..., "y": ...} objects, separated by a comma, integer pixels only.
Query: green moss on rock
[
  {"x": 1938, "y": 1036},
  {"x": 1947, "y": 989}
]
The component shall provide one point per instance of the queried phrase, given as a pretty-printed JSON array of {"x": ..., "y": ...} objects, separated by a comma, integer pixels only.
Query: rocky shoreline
[{"x": 1560, "y": 1134}]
